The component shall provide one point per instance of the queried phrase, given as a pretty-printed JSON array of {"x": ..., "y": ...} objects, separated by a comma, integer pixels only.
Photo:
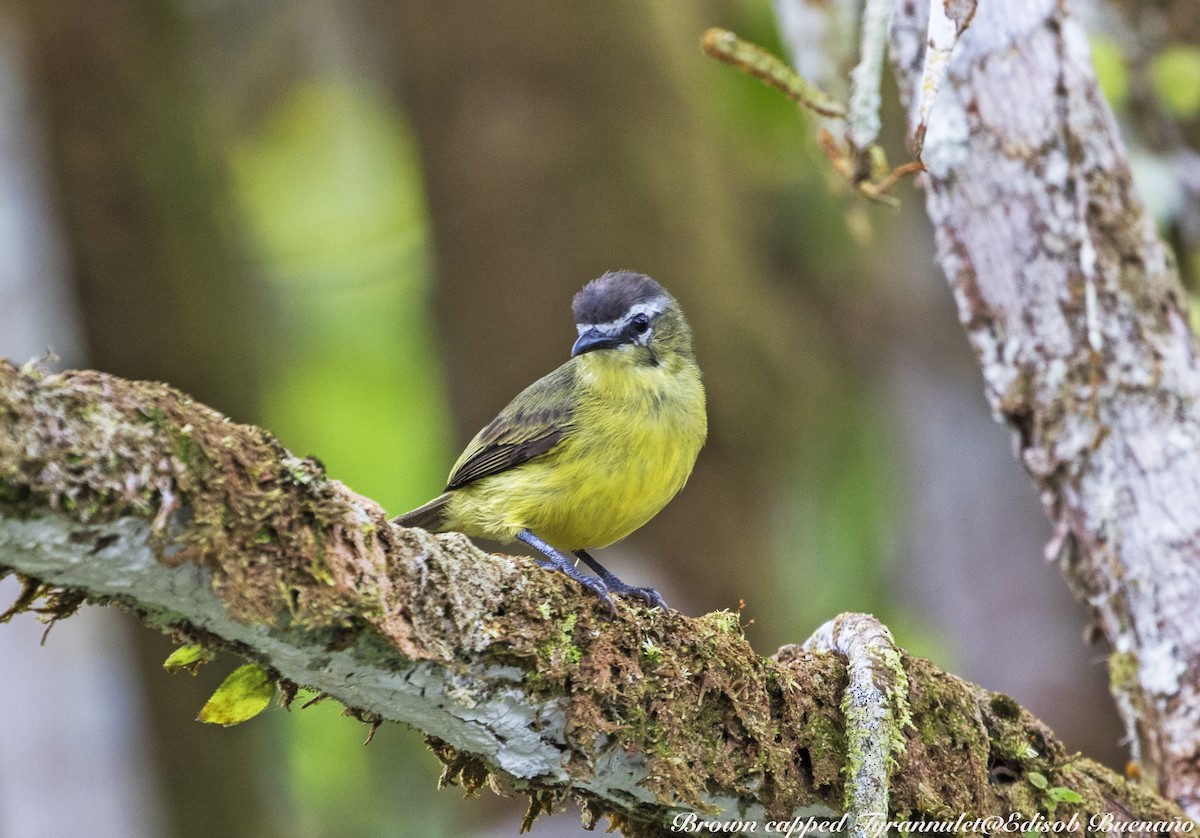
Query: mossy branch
[{"x": 130, "y": 492}]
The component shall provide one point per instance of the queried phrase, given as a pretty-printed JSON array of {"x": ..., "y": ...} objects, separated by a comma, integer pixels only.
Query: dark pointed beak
[{"x": 592, "y": 340}]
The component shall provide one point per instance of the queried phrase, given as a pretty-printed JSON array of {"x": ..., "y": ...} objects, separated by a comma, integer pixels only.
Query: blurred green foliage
[
  {"x": 1176, "y": 75},
  {"x": 331, "y": 187},
  {"x": 1111, "y": 71},
  {"x": 838, "y": 511},
  {"x": 1174, "y": 79},
  {"x": 841, "y": 536}
]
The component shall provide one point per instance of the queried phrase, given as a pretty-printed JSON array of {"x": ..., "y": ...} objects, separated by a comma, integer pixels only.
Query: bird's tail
[{"x": 431, "y": 516}]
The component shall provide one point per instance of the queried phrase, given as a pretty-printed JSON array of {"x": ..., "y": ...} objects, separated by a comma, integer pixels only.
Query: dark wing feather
[{"x": 533, "y": 423}]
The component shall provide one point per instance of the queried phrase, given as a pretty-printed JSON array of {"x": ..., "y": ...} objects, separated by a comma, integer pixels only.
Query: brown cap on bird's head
[{"x": 610, "y": 297}]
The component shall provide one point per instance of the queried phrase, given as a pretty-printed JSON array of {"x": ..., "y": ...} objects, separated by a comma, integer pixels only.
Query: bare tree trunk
[
  {"x": 77, "y": 762},
  {"x": 161, "y": 293},
  {"x": 159, "y": 279},
  {"x": 1079, "y": 323}
]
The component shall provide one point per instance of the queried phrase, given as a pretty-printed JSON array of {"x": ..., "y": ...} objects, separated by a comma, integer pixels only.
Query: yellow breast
[{"x": 636, "y": 432}]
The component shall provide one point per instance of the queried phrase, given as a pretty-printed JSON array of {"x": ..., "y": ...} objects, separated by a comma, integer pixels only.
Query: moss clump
[
  {"x": 651, "y": 652},
  {"x": 561, "y": 648},
  {"x": 281, "y": 540},
  {"x": 1123, "y": 671},
  {"x": 680, "y": 690},
  {"x": 1005, "y": 707}
]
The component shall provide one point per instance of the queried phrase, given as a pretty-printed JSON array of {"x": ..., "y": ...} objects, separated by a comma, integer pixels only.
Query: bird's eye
[{"x": 640, "y": 323}]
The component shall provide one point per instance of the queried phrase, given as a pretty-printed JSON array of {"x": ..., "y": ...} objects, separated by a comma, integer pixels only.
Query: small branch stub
[
  {"x": 753, "y": 60},
  {"x": 857, "y": 157},
  {"x": 875, "y": 706}
]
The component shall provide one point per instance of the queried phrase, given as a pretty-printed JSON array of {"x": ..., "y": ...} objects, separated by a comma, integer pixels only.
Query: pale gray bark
[{"x": 1080, "y": 326}]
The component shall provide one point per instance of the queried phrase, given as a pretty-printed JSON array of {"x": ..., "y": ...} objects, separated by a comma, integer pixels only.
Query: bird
[{"x": 592, "y": 451}]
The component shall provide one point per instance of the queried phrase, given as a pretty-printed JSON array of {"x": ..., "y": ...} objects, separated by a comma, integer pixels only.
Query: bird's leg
[
  {"x": 557, "y": 561},
  {"x": 651, "y": 596}
]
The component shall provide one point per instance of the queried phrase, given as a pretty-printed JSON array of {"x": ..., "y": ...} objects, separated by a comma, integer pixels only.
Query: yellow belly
[{"x": 636, "y": 434}]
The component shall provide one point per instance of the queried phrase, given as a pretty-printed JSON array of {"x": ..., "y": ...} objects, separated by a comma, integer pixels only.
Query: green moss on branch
[{"x": 289, "y": 551}]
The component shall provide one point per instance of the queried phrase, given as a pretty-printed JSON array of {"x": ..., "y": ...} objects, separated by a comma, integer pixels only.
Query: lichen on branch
[{"x": 130, "y": 492}]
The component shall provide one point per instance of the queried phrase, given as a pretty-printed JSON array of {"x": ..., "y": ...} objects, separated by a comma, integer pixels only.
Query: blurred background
[{"x": 360, "y": 225}]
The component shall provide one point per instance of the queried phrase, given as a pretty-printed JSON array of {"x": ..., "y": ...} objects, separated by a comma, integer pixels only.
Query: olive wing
[{"x": 533, "y": 423}]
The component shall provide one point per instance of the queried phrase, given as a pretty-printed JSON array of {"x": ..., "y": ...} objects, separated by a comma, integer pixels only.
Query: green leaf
[
  {"x": 1176, "y": 76},
  {"x": 187, "y": 657},
  {"x": 1064, "y": 795},
  {"x": 242, "y": 696},
  {"x": 1110, "y": 70},
  {"x": 1037, "y": 780}
]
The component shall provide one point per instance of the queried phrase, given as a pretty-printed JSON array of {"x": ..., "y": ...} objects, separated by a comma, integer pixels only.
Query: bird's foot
[
  {"x": 591, "y": 582},
  {"x": 554, "y": 560},
  {"x": 651, "y": 597}
]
